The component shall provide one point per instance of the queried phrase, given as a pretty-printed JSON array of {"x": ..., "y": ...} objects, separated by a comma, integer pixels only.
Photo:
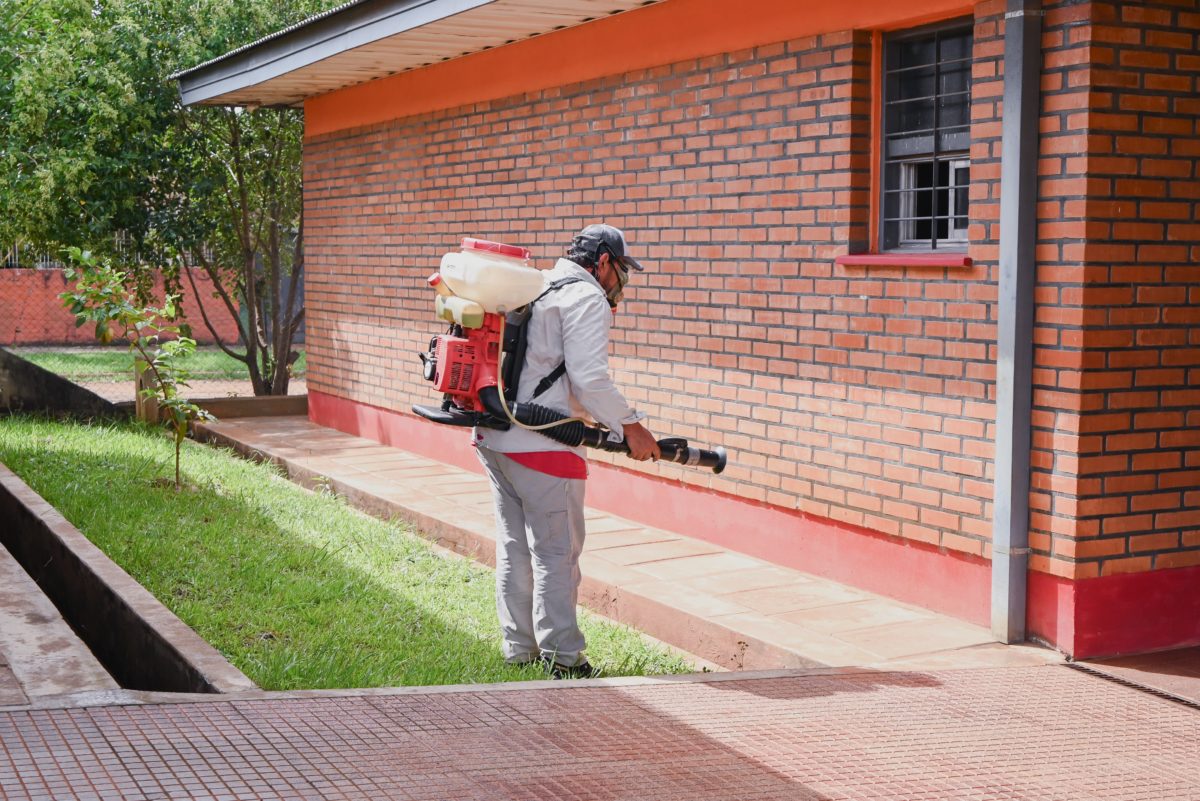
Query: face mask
[{"x": 618, "y": 291}]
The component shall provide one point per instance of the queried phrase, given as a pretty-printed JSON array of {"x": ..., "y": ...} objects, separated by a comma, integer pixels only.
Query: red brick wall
[
  {"x": 1117, "y": 423},
  {"x": 32, "y": 314},
  {"x": 862, "y": 395}
]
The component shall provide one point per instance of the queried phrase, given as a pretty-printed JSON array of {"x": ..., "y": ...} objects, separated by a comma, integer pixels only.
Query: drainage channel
[
  {"x": 136, "y": 639},
  {"x": 40, "y": 656},
  {"x": 1145, "y": 688}
]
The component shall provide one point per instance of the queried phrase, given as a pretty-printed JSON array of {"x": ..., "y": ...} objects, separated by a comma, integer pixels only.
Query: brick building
[{"x": 1005, "y": 428}]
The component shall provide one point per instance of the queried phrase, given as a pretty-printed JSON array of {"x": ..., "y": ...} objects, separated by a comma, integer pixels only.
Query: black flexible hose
[{"x": 576, "y": 433}]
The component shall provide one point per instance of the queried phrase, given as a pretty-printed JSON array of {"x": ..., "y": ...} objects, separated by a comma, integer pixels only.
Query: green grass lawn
[
  {"x": 298, "y": 590},
  {"x": 116, "y": 364}
]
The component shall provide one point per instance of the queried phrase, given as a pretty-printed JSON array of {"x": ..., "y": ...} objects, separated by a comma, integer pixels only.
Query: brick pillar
[{"x": 1117, "y": 453}]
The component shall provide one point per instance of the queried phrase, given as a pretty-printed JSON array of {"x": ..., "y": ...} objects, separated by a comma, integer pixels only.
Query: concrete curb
[
  {"x": 149, "y": 698},
  {"x": 141, "y": 642},
  {"x": 724, "y": 647},
  {"x": 252, "y": 406}
]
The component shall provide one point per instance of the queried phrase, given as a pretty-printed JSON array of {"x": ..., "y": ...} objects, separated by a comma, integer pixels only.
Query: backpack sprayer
[{"x": 485, "y": 292}]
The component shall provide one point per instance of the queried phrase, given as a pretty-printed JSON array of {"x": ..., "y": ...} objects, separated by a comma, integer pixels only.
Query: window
[{"x": 926, "y": 138}]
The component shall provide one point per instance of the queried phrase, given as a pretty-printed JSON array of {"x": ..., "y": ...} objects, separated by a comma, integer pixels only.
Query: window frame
[{"x": 933, "y": 245}]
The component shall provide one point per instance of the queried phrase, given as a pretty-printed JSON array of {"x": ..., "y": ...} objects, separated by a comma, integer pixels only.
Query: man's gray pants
[{"x": 539, "y": 537}]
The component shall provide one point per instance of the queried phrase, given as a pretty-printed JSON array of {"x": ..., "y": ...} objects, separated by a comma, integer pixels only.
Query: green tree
[
  {"x": 96, "y": 151},
  {"x": 81, "y": 148},
  {"x": 247, "y": 196}
]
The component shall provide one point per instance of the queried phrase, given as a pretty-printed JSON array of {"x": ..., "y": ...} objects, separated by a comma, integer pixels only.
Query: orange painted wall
[{"x": 665, "y": 33}]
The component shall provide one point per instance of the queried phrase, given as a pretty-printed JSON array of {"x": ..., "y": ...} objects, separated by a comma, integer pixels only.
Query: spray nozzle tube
[{"x": 574, "y": 432}]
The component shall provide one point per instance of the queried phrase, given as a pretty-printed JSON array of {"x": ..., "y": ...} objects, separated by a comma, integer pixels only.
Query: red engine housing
[{"x": 464, "y": 365}]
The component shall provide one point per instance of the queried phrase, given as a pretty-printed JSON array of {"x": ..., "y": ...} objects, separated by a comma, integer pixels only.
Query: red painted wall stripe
[
  {"x": 1050, "y": 610},
  {"x": 665, "y": 33},
  {"x": 1131, "y": 613},
  {"x": 1126, "y": 613}
]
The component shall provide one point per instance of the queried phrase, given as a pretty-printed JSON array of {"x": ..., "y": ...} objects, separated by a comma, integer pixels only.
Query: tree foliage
[
  {"x": 249, "y": 166},
  {"x": 97, "y": 153},
  {"x": 82, "y": 116}
]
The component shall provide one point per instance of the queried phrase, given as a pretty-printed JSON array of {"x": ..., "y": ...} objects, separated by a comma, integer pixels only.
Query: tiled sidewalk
[
  {"x": 1045, "y": 733},
  {"x": 730, "y": 609}
]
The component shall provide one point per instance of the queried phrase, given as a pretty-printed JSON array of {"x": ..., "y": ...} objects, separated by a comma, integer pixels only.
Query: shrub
[{"x": 102, "y": 296}]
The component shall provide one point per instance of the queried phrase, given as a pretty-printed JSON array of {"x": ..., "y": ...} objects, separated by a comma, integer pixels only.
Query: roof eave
[{"x": 324, "y": 36}]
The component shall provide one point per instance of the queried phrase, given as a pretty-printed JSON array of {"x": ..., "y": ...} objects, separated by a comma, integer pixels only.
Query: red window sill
[{"x": 905, "y": 260}]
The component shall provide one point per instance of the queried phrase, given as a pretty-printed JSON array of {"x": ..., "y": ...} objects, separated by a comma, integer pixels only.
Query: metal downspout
[{"x": 1014, "y": 366}]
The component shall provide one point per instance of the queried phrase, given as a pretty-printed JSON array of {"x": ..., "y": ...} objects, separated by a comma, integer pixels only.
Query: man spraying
[{"x": 538, "y": 483}]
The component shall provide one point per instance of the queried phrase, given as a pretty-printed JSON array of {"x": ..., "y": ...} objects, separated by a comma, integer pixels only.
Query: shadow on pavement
[
  {"x": 813, "y": 685},
  {"x": 607, "y": 743}
]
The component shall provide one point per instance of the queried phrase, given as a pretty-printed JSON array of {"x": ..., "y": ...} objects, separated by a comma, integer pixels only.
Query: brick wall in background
[
  {"x": 862, "y": 395},
  {"x": 32, "y": 314},
  {"x": 1117, "y": 423}
]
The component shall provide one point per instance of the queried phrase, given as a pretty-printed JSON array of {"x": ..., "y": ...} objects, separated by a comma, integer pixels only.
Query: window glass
[{"x": 926, "y": 130}]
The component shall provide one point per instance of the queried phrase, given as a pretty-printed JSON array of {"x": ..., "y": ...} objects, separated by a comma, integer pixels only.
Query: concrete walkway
[
  {"x": 1175, "y": 674},
  {"x": 731, "y": 610},
  {"x": 1045, "y": 733}
]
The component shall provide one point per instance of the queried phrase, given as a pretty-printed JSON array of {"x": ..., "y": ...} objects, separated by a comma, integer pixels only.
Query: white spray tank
[{"x": 495, "y": 276}]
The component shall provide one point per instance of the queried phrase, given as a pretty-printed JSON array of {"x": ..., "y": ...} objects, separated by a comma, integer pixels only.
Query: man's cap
[{"x": 600, "y": 235}]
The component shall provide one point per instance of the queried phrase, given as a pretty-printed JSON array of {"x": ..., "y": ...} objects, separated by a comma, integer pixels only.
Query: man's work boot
[{"x": 583, "y": 670}]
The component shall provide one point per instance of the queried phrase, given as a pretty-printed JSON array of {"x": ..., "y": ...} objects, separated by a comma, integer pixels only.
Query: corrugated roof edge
[{"x": 270, "y": 37}]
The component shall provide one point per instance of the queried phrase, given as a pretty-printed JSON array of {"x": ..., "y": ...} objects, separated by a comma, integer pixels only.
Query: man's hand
[{"x": 641, "y": 442}]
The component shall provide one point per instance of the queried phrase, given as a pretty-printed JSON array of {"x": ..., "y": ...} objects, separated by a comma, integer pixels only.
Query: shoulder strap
[
  {"x": 554, "y": 287},
  {"x": 559, "y": 371},
  {"x": 549, "y": 380}
]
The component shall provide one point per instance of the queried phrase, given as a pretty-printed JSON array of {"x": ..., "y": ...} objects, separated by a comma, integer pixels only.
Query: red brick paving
[{"x": 1044, "y": 733}]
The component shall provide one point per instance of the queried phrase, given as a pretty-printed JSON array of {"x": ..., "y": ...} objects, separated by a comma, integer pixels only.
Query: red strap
[{"x": 560, "y": 464}]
